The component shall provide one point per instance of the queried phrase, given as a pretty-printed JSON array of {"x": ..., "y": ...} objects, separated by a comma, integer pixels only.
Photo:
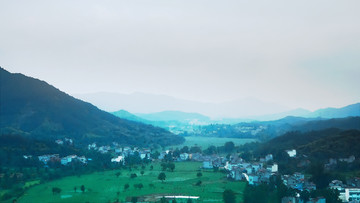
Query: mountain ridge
[
  {"x": 36, "y": 108},
  {"x": 148, "y": 103}
]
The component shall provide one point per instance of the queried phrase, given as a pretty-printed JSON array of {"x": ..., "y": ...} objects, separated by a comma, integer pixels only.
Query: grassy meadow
[
  {"x": 205, "y": 142},
  {"x": 105, "y": 186}
]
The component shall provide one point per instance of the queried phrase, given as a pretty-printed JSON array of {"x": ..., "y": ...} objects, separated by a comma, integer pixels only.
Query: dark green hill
[
  {"x": 37, "y": 109},
  {"x": 341, "y": 123},
  {"x": 324, "y": 144}
]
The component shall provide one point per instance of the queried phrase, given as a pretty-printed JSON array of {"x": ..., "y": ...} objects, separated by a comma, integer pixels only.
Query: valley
[{"x": 68, "y": 150}]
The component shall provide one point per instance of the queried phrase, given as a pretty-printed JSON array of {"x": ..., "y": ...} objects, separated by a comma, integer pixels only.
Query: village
[{"x": 237, "y": 169}]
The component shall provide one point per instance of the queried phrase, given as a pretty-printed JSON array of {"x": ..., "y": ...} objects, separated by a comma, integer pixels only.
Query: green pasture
[
  {"x": 205, "y": 142},
  {"x": 105, "y": 186}
]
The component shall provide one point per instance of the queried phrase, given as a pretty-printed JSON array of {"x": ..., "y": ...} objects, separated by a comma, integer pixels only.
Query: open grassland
[
  {"x": 205, "y": 142},
  {"x": 105, "y": 186}
]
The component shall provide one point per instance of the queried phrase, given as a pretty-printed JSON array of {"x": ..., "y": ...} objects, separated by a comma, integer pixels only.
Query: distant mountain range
[
  {"x": 350, "y": 110},
  {"x": 199, "y": 119},
  {"x": 34, "y": 108},
  {"x": 148, "y": 103},
  {"x": 155, "y": 107},
  {"x": 265, "y": 130}
]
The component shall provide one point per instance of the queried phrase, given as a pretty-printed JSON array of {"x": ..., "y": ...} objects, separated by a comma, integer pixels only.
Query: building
[
  {"x": 348, "y": 160},
  {"x": 352, "y": 194},
  {"x": 207, "y": 164},
  {"x": 272, "y": 168},
  {"x": 269, "y": 157},
  {"x": 66, "y": 160},
  {"x": 184, "y": 156},
  {"x": 291, "y": 153},
  {"x": 253, "y": 179},
  {"x": 118, "y": 159}
]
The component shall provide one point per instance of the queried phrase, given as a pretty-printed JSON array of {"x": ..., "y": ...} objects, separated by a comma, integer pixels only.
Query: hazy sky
[{"x": 296, "y": 53}]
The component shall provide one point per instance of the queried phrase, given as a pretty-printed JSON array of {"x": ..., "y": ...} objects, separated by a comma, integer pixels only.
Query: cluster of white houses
[
  {"x": 348, "y": 192},
  {"x": 63, "y": 160},
  {"x": 298, "y": 181},
  {"x": 253, "y": 172},
  {"x": 120, "y": 152},
  {"x": 67, "y": 141}
]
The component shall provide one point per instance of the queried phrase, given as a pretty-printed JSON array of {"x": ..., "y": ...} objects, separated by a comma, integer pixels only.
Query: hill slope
[
  {"x": 324, "y": 144},
  {"x": 350, "y": 110},
  {"x": 129, "y": 116},
  {"x": 35, "y": 108}
]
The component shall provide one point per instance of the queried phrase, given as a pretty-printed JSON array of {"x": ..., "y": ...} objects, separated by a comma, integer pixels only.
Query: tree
[
  {"x": 134, "y": 199},
  {"x": 75, "y": 189},
  {"x": 198, "y": 183},
  {"x": 126, "y": 186},
  {"x": 117, "y": 174},
  {"x": 151, "y": 167},
  {"x": 171, "y": 166},
  {"x": 163, "y": 200},
  {"x": 133, "y": 175},
  {"x": 320, "y": 178},
  {"x": 162, "y": 176},
  {"x": 199, "y": 174},
  {"x": 138, "y": 186},
  {"x": 195, "y": 149},
  {"x": 229, "y": 147},
  {"x": 229, "y": 196},
  {"x": 185, "y": 149},
  {"x": 142, "y": 173},
  {"x": 211, "y": 150},
  {"x": 56, "y": 190},
  {"x": 189, "y": 200},
  {"x": 82, "y": 188},
  {"x": 305, "y": 195}
]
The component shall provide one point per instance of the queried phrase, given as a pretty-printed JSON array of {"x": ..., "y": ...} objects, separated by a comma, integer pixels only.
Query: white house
[
  {"x": 117, "y": 159},
  {"x": 272, "y": 168},
  {"x": 184, "y": 156},
  {"x": 291, "y": 153},
  {"x": 352, "y": 194},
  {"x": 208, "y": 164},
  {"x": 144, "y": 155},
  {"x": 92, "y": 146},
  {"x": 82, "y": 159},
  {"x": 66, "y": 160}
]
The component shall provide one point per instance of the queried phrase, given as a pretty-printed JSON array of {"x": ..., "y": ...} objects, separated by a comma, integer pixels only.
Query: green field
[
  {"x": 205, "y": 142},
  {"x": 105, "y": 186}
]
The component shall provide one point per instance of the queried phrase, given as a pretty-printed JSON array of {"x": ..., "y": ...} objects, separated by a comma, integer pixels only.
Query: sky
[{"x": 295, "y": 53}]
